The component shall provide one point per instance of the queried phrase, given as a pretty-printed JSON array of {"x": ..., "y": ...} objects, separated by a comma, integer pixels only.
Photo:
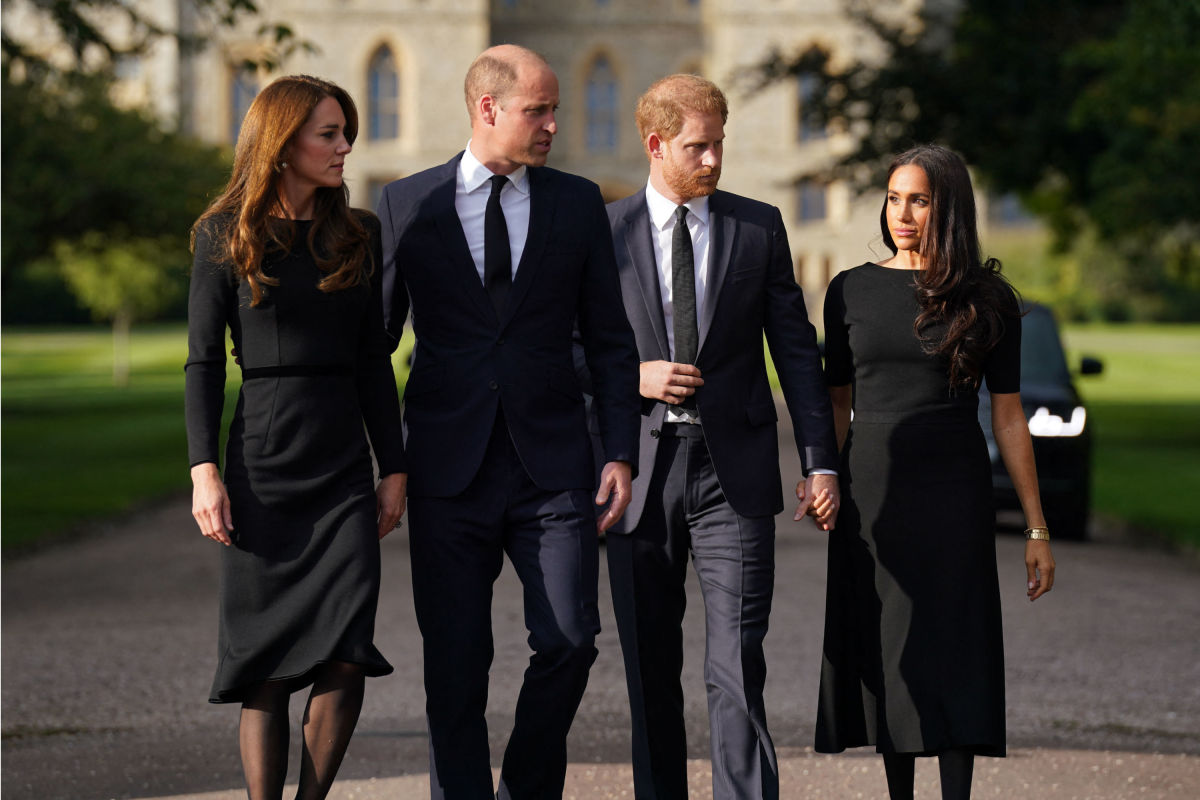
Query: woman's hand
[
  {"x": 391, "y": 497},
  {"x": 1011, "y": 432},
  {"x": 210, "y": 503},
  {"x": 820, "y": 498},
  {"x": 1039, "y": 563}
]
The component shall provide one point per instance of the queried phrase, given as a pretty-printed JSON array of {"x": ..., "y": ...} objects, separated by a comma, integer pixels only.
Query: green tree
[
  {"x": 72, "y": 163},
  {"x": 87, "y": 28},
  {"x": 1088, "y": 109},
  {"x": 120, "y": 281}
]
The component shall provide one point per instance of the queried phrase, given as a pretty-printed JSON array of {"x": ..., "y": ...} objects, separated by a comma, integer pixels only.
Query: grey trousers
[{"x": 734, "y": 557}]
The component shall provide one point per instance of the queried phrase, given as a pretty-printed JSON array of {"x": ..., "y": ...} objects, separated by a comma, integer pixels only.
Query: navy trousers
[
  {"x": 687, "y": 514},
  {"x": 458, "y": 546}
]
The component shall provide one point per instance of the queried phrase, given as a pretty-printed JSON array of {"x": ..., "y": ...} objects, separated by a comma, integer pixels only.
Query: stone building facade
[{"x": 404, "y": 61}]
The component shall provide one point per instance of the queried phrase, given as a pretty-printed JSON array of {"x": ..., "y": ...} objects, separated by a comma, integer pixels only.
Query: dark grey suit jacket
[{"x": 751, "y": 292}]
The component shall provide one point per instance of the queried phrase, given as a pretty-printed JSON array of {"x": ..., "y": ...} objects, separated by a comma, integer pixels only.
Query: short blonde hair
[
  {"x": 496, "y": 74},
  {"x": 663, "y": 107}
]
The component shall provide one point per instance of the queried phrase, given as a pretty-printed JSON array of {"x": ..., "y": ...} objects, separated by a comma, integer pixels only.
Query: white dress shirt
[
  {"x": 470, "y": 201},
  {"x": 662, "y": 215},
  {"x": 662, "y": 218}
]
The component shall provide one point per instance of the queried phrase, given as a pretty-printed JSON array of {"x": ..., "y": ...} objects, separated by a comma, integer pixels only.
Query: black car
[{"x": 1058, "y": 422}]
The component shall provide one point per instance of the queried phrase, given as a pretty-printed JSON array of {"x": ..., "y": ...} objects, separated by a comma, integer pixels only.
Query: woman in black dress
[
  {"x": 294, "y": 273},
  {"x": 913, "y": 656}
]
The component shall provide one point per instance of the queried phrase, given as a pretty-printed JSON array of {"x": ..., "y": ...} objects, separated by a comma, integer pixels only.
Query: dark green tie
[{"x": 683, "y": 297}]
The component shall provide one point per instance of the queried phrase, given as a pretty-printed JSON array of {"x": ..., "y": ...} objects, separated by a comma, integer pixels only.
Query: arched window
[
  {"x": 811, "y": 125},
  {"x": 383, "y": 96},
  {"x": 243, "y": 86},
  {"x": 601, "y": 107},
  {"x": 810, "y": 201}
]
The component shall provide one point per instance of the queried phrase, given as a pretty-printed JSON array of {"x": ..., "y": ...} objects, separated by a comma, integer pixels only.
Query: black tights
[
  {"x": 329, "y": 720},
  {"x": 955, "y": 767}
]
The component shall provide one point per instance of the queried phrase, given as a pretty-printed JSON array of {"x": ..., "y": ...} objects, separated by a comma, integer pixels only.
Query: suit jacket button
[
  {"x": 500, "y": 341},
  {"x": 654, "y": 433},
  {"x": 493, "y": 385}
]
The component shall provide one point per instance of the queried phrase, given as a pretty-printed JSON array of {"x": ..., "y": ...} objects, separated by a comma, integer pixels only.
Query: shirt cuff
[{"x": 819, "y": 471}]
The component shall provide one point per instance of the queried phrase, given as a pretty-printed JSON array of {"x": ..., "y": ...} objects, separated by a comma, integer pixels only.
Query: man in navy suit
[
  {"x": 497, "y": 256},
  {"x": 705, "y": 274}
]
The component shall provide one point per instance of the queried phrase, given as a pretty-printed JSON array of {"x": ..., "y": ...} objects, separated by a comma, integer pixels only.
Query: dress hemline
[
  {"x": 304, "y": 679},
  {"x": 984, "y": 750}
]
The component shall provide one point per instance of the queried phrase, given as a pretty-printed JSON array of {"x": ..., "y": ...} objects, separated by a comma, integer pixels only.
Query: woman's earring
[{"x": 283, "y": 165}]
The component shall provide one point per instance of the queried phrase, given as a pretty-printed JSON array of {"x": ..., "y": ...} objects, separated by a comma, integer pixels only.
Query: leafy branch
[{"x": 88, "y": 29}]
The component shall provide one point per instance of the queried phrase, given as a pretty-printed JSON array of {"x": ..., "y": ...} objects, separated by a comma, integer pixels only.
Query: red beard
[{"x": 690, "y": 184}]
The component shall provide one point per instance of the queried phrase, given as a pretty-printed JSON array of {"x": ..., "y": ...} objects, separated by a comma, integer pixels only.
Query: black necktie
[
  {"x": 497, "y": 255},
  {"x": 683, "y": 296}
]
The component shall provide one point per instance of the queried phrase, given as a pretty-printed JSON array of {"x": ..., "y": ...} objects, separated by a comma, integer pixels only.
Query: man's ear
[
  {"x": 655, "y": 145},
  {"x": 487, "y": 109}
]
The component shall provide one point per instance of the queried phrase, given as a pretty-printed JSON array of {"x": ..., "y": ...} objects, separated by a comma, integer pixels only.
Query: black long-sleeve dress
[
  {"x": 914, "y": 653},
  {"x": 300, "y": 584}
]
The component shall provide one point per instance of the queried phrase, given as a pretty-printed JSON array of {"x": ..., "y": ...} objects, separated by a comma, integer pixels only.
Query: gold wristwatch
[{"x": 1038, "y": 533}]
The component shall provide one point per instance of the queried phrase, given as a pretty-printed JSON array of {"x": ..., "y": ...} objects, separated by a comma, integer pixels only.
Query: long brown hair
[
  {"x": 957, "y": 288},
  {"x": 337, "y": 238}
]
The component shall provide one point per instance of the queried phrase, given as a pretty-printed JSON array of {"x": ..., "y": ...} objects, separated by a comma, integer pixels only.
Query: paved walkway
[
  {"x": 108, "y": 652},
  {"x": 1024, "y": 774}
]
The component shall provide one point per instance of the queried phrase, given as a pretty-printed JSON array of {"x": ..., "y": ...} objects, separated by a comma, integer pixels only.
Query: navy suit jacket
[
  {"x": 468, "y": 363},
  {"x": 750, "y": 291}
]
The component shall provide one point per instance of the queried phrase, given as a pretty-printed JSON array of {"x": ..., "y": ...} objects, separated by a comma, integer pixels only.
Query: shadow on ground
[{"x": 109, "y": 649}]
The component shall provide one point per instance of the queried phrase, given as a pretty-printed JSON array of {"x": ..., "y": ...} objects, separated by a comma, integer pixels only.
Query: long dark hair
[
  {"x": 337, "y": 238},
  {"x": 957, "y": 288}
]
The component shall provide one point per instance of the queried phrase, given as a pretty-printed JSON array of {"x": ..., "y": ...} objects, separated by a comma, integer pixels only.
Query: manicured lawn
[
  {"x": 75, "y": 448},
  {"x": 1145, "y": 409},
  {"x": 1146, "y": 412}
]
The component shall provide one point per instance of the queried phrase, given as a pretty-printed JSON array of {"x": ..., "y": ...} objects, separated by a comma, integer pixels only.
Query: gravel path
[{"x": 108, "y": 652}]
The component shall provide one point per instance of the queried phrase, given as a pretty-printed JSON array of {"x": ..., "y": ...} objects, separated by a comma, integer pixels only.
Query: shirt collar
[
  {"x": 662, "y": 210},
  {"x": 474, "y": 174}
]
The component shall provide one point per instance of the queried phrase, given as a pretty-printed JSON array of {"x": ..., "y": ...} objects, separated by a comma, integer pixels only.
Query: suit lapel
[
  {"x": 637, "y": 235},
  {"x": 541, "y": 219},
  {"x": 723, "y": 229},
  {"x": 450, "y": 227}
]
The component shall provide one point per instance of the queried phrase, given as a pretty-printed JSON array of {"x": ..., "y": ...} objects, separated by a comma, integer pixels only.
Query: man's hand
[
  {"x": 391, "y": 495},
  {"x": 668, "y": 381},
  {"x": 615, "y": 480},
  {"x": 820, "y": 498}
]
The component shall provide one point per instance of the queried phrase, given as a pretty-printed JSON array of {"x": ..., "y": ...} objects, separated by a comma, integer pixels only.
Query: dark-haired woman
[
  {"x": 293, "y": 272},
  {"x": 913, "y": 655}
]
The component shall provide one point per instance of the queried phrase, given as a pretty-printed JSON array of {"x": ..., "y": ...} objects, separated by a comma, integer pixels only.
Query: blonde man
[{"x": 704, "y": 274}]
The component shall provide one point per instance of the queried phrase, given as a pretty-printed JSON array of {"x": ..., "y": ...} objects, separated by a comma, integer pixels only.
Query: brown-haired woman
[
  {"x": 293, "y": 272},
  {"x": 914, "y": 658}
]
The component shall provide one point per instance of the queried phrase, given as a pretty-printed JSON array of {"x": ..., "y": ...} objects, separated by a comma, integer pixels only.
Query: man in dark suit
[
  {"x": 704, "y": 275},
  {"x": 497, "y": 256}
]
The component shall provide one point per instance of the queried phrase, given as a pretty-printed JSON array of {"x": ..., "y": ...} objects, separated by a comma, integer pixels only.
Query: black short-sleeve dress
[
  {"x": 914, "y": 653},
  {"x": 300, "y": 584}
]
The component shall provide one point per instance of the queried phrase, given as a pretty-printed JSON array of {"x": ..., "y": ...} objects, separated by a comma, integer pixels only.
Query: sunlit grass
[
  {"x": 1143, "y": 363},
  {"x": 1145, "y": 413},
  {"x": 75, "y": 447},
  {"x": 1145, "y": 409}
]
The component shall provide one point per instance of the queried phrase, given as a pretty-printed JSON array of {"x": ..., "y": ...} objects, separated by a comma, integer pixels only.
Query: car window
[{"x": 1042, "y": 357}]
